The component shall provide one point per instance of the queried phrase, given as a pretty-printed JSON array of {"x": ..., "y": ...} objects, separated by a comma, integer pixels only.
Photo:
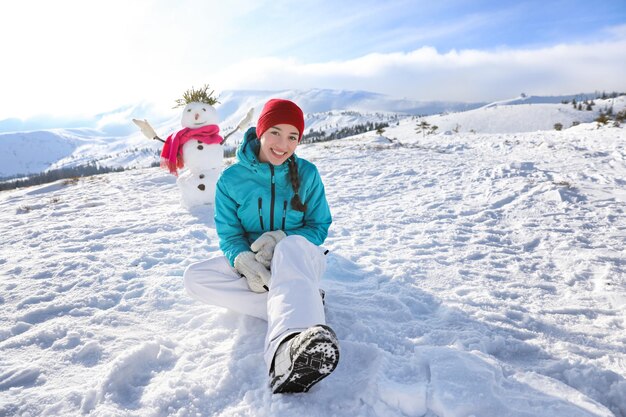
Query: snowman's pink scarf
[{"x": 171, "y": 155}]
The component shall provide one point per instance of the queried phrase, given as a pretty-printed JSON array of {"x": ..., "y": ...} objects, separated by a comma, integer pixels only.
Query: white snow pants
[{"x": 293, "y": 302}]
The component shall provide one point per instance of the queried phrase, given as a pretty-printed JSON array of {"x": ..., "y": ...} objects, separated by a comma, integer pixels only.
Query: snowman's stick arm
[
  {"x": 229, "y": 134},
  {"x": 241, "y": 125}
]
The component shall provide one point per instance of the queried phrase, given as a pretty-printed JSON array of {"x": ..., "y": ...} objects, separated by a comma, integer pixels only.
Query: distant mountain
[
  {"x": 324, "y": 100},
  {"x": 38, "y": 151},
  {"x": 112, "y": 140},
  {"x": 233, "y": 105},
  {"x": 525, "y": 99}
]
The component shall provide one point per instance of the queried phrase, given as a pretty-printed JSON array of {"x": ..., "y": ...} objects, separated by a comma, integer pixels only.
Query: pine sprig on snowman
[
  {"x": 197, "y": 148},
  {"x": 197, "y": 96}
]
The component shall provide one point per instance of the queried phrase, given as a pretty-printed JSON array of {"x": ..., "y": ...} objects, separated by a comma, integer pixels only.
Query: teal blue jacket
[{"x": 254, "y": 197}]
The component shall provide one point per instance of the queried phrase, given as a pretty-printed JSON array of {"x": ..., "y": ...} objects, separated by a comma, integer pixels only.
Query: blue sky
[
  {"x": 70, "y": 58},
  {"x": 348, "y": 29}
]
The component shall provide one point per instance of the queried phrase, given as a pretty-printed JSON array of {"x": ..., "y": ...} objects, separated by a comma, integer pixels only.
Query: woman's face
[{"x": 278, "y": 143}]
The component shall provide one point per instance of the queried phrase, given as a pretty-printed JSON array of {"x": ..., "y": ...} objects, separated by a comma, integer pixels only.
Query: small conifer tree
[{"x": 422, "y": 127}]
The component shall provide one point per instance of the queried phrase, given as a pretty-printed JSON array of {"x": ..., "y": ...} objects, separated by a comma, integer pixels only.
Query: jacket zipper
[
  {"x": 273, "y": 198},
  {"x": 261, "y": 212},
  {"x": 284, "y": 214}
]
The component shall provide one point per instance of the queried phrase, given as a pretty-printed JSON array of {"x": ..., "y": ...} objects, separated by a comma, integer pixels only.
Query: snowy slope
[
  {"x": 521, "y": 115},
  {"x": 469, "y": 275},
  {"x": 34, "y": 151},
  {"x": 115, "y": 140},
  {"x": 39, "y": 151}
]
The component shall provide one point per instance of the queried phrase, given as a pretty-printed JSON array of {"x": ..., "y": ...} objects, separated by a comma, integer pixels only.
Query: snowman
[
  {"x": 202, "y": 153},
  {"x": 197, "y": 149}
]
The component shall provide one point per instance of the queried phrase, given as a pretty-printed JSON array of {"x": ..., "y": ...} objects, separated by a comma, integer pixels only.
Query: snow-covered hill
[
  {"x": 113, "y": 140},
  {"x": 469, "y": 275},
  {"x": 116, "y": 142},
  {"x": 31, "y": 152},
  {"x": 39, "y": 151},
  {"x": 522, "y": 115}
]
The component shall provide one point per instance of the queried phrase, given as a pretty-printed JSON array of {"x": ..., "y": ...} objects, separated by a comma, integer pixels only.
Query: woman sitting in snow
[{"x": 271, "y": 215}]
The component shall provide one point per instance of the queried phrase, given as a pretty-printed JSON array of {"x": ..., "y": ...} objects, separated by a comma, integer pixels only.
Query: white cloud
[
  {"x": 467, "y": 75},
  {"x": 617, "y": 32}
]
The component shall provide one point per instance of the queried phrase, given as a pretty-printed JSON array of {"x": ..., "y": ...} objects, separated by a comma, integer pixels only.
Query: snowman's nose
[{"x": 197, "y": 115}]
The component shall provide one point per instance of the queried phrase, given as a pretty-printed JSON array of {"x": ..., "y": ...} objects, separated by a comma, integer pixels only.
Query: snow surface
[{"x": 469, "y": 275}]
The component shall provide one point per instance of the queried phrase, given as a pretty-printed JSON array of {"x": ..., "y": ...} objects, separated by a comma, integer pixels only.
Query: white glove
[
  {"x": 146, "y": 129},
  {"x": 257, "y": 275},
  {"x": 265, "y": 244}
]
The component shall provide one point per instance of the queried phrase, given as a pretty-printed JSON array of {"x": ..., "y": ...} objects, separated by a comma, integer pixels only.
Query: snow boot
[{"x": 304, "y": 360}]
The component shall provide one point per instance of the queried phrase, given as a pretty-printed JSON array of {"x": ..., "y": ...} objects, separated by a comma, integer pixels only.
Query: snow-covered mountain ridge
[
  {"x": 468, "y": 274},
  {"x": 115, "y": 138},
  {"x": 116, "y": 142}
]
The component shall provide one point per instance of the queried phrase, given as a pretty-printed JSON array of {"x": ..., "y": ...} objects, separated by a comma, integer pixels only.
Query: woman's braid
[{"x": 296, "y": 203}]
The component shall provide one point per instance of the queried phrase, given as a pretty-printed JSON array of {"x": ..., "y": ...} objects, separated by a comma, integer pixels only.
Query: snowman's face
[{"x": 199, "y": 114}]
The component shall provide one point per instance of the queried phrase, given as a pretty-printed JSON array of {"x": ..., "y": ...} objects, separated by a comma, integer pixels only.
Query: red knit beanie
[{"x": 278, "y": 111}]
